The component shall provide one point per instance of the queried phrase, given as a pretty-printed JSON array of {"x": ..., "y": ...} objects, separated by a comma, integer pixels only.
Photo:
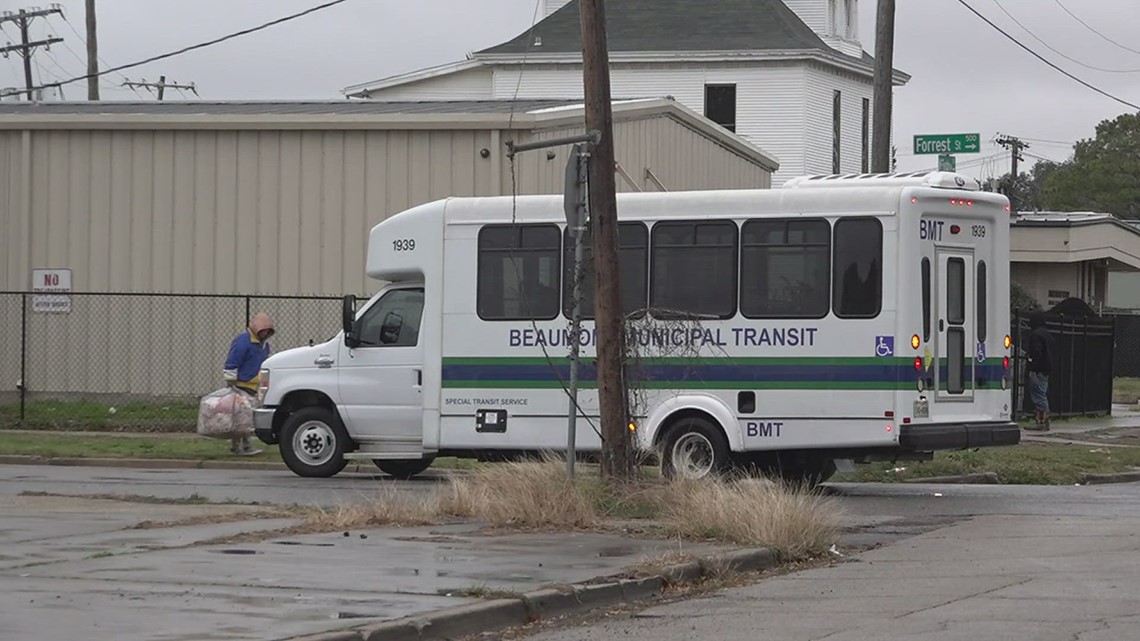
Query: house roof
[
  {"x": 1069, "y": 237},
  {"x": 353, "y": 115},
  {"x": 673, "y": 25},
  {"x": 282, "y": 108}
]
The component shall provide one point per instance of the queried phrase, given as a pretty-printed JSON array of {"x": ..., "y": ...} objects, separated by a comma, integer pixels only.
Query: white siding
[
  {"x": 821, "y": 82},
  {"x": 554, "y": 5},
  {"x": 769, "y": 99},
  {"x": 814, "y": 13},
  {"x": 472, "y": 84}
]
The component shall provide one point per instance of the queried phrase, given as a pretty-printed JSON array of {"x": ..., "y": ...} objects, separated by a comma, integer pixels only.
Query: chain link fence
[{"x": 133, "y": 361}]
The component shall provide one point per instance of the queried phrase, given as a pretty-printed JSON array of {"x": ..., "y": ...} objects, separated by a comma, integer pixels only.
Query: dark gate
[{"x": 1081, "y": 382}]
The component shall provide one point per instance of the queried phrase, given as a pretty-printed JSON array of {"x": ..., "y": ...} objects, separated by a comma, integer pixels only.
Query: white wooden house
[{"x": 791, "y": 76}]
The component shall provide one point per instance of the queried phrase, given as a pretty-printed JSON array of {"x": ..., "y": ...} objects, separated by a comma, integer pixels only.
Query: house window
[
  {"x": 836, "y": 106},
  {"x": 865, "y": 156},
  {"x": 720, "y": 105}
]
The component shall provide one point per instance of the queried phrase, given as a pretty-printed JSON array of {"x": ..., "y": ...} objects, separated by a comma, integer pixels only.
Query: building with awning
[{"x": 1087, "y": 255}]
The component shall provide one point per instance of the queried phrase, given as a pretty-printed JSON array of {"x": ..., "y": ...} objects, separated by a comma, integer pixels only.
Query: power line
[
  {"x": 1057, "y": 51},
  {"x": 1046, "y": 61},
  {"x": 202, "y": 45},
  {"x": 1090, "y": 28},
  {"x": 98, "y": 57}
]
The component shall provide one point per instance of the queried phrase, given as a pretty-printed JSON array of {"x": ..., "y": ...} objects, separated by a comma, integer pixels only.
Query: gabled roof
[{"x": 673, "y": 25}]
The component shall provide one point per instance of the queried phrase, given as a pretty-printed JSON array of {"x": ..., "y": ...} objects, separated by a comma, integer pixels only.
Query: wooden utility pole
[
  {"x": 1015, "y": 145},
  {"x": 92, "y": 54},
  {"x": 617, "y": 447},
  {"x": 23, "y": 19},
  {"x": 884, "y": 86}
]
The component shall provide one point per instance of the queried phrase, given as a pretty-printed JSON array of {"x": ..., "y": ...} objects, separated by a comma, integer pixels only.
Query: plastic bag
[{"x": 226, "y": 413}]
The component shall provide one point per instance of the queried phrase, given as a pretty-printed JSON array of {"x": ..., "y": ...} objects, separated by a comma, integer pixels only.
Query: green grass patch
[
  {"x": 1025, "y": 464},
  {"x": 1126, "y": 390},
  {"x": 153, "y": 446},
  {"x": 143, "y": 446},
  {"x": 90, "y": 416}
]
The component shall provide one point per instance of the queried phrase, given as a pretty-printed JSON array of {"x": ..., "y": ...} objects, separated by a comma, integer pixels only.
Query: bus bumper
[
  {"x": 958, "y": 436},
  {"x": 263, "y": 425}
]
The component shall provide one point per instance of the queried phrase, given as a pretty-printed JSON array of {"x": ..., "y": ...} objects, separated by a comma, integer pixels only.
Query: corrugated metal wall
[
  {"x": 248, "y": 212},
  {"x": 277, "y": 212}
]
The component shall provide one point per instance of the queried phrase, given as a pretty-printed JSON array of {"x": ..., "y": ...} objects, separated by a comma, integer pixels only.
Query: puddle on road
[
  {"x": 235, "y": 551},
  {"x": 616, "y": 551},
  {"x": 317, "y": 545}
]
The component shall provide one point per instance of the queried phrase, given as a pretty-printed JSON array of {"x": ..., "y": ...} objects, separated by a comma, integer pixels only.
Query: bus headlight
[{"x": 263, "y": 385}]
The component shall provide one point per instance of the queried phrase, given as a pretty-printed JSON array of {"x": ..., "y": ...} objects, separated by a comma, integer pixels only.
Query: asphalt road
[{"x": 929, "y": 562}]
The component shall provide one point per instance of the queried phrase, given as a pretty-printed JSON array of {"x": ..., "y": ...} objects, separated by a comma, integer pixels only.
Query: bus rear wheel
[
  {"x": 694, "y": 448},
  {"x": 404, "y": 469}
]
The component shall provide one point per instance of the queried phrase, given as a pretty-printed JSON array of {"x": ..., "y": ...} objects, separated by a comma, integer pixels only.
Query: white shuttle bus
[{"x": 860, "y": 318}]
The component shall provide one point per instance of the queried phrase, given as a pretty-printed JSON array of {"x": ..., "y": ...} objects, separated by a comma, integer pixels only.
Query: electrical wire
[
  {"x": 97, "y": 56},
  {"x": 1090, "y": 28},
  {"x": 201, "y": 45},
  {"x": 1057, "y": 51},
  {"x": 1045, "y": 60}
]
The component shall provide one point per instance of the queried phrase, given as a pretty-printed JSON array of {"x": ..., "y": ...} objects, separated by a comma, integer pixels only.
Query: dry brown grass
[
  {"x": 526, "y": 494},
  {"x": 794, "y": 522},
  {"x": 388, "y": 507}
]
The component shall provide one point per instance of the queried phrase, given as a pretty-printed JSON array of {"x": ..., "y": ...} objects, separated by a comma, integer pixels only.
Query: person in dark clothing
[{"x": 1040, "y": 349}]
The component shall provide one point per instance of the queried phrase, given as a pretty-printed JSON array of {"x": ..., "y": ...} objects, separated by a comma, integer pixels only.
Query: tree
[
  {"x": 1104, "y": 173},
  {"x": 1021, "y": 301},
  {"x": 1029, "y": 188}
]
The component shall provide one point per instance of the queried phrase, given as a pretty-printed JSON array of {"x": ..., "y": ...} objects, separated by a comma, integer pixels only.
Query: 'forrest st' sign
[{"x": 948, "y": 144}]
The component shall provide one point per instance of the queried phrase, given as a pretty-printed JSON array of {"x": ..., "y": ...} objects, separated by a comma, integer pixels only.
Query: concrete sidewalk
[{"x": 75, "y": 569}]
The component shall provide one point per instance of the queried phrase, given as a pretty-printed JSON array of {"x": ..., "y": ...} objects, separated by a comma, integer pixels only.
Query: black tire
[
  {"x": 699, "y": 434},
  {"x": 807, "y": 471},
  {"x": 321, "y": 438},
  {"x": 403, "y": 470}
]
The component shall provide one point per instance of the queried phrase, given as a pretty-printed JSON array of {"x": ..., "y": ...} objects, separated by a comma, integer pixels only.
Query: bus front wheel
[
  {"x": 694, "y": 448},
  {"x": 313, "y": 442}
]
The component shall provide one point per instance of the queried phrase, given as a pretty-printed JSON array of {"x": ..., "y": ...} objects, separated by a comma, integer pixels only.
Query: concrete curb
[
  {"x": 1104, "y": 479},
  {"x": 186, "y": 464},
  {"x": 549, "y": 603},
  {"x": 983, "y": 478}
]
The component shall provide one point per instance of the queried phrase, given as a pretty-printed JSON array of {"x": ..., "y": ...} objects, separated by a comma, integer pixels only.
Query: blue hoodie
[{"x": 246, "y": 355}]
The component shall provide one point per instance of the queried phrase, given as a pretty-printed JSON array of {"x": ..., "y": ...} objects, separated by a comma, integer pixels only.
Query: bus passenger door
[
  {"x": 381, "y": 395},
  {"x": 956, "y": 343}
]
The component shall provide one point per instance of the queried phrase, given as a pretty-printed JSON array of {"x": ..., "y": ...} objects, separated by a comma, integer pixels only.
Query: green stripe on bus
[{"x": 694, "y": 385}]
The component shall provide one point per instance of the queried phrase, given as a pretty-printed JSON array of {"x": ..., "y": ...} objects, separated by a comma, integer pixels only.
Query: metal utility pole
[
  {"x": 884, "y": 86},
  {"x": 1015, "y": 145},
  {"x": 617, "y": 446},
  {"x": 577, "y": 219},
  {"x": 92, "y": 54},
  {"x": 161, "y": 86},
  {"x": 23, "y": 19}
]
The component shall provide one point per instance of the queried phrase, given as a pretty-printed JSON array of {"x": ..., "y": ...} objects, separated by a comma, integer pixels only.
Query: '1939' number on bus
[{"x": 404, "y": 245}]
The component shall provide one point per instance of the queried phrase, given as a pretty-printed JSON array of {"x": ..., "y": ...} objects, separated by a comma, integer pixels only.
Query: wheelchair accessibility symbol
[
  {"x": 981, "y": 352},
  {"x": 884, "y": 346}
]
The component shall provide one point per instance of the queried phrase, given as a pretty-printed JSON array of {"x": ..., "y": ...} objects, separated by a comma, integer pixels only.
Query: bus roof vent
[{"x": 940, "y": 179}]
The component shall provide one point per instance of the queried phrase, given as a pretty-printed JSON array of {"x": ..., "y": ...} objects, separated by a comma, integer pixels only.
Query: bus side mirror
[{"x": 348, "y": 321}]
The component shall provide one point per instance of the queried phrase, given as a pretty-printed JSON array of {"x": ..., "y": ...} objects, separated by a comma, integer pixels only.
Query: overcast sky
[{"x": 967, "y": 77}]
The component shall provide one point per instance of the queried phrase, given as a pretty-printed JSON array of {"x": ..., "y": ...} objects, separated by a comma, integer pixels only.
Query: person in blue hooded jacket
[{"x": 248, "y": 351}]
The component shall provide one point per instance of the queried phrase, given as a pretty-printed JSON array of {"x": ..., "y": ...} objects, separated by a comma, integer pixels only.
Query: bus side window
[
  {"x": 857, "y": 280},
  {"x": 785, "y": 268},
  {"x": 519, "y": 271},
  {"x": 694, "y": 269},
  {"x": 633, "y": 263},
  {"x": 982, "y": 299},
  {"x": 925, "y": 300}
]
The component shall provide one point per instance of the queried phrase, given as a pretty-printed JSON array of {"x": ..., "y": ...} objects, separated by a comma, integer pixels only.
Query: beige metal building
[
  {"x": 269, "y": 199},
  {"x": 278, "y": 198}
]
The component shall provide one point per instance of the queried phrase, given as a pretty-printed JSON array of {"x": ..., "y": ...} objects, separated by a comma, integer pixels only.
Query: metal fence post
[
  {"x": 247, "y": 311},
  {"x": 23, "y": 356}
]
